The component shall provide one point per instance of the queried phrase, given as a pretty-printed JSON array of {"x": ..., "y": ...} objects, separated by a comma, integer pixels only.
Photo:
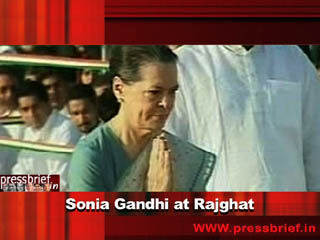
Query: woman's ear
[{"x": 117, "y": 88}]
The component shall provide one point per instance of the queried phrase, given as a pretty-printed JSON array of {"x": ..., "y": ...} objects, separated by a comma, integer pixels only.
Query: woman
[{"x": 131, "y": 152}]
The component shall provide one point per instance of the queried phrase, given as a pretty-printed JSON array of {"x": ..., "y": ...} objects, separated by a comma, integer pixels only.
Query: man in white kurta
[
  {"x": 57, "y": 130},
  {"x": 257, "y": 109},
  {"x": 44, "y": 126}
]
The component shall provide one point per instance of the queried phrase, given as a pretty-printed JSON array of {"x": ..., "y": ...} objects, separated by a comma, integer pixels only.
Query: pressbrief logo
[{"x": 30, "y": 183}]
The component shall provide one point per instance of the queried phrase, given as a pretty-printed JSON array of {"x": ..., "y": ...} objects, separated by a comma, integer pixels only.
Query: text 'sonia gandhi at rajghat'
[{"x": 222, "y": 206}]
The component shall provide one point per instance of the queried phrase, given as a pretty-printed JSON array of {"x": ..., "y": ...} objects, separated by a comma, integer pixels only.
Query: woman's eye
[{"x": 154, "y": 92}]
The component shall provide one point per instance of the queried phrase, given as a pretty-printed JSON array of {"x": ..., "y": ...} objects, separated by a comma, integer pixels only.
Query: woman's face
[{"x": 148, "y": 102}]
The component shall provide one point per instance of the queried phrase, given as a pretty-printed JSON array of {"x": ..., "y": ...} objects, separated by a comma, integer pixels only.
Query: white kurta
[
  {"x": 16, "y": 130},
  {"x": 57, "y": 130},
  {"x": 64, "y": 111},
  {"x": 6, "y": 158},
  {"x": 257, "y": 110}
]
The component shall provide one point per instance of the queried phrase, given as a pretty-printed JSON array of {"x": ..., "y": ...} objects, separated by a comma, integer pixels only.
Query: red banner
[
  {"x": 211, "y": 22},
  {"x": 211, "y": 8},
  {"x": 46, "y": 216},
  {"x": 174, "y": 22},
  {"x": 51, "y": 22}
]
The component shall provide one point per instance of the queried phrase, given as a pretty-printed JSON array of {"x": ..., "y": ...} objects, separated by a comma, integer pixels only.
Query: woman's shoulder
[
  {"x": 97, "y": 139},
  {"x": 90, "y": 153},
  {"x": 88, "y": 162}
]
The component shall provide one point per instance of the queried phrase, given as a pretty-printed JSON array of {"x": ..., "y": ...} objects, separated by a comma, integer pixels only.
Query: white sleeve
[
  {"x": 311, "y": 128},
  {"x": 178, "y": 122},
  {"x": 194, "y": 107},
  {"x": 19, "y": 167},
  {"x": 7, "y": 156},
  {"x": 67, "y": 135}
]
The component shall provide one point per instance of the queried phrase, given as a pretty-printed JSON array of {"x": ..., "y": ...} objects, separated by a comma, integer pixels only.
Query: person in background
[
  {"x": 9, "y": 114},
  {"x": 315, "y": 56},
  {"x": 101, "y": 84},
  {"x": 87, "y": 76},
  {"x": 82, "y": 107},
  {"x": 57, "y": 89},
  {"x": 43, "y": 125},
  {"x": 108, "y": 105},
  {"x": 257, "y": 108},
  {"x": 32, "y": 74},
  {"x": 8, "y": 107}
]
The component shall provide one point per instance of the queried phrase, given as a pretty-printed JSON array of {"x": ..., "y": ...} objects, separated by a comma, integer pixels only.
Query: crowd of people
[
  {"x": 49, "y": 105},
  {"x": 196, "y": 118}
]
